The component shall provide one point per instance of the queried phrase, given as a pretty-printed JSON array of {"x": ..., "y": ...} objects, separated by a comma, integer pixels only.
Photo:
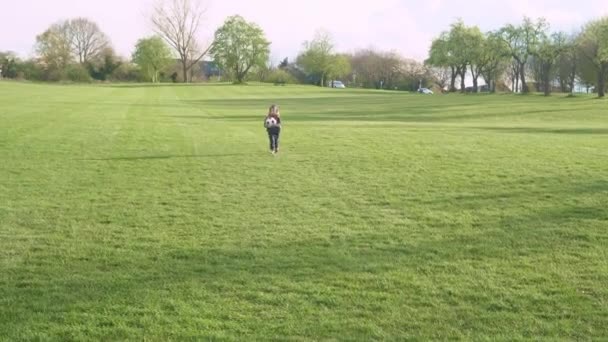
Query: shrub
[
  {"x": 30, "y": 70},
  {"x": 280, "y": 76},
  {"x": 126, "y": 72},
  {"x": 77, "y": 73}
]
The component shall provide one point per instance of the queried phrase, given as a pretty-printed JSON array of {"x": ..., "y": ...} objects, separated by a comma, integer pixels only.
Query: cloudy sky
[{"x": 406, "y": 26}]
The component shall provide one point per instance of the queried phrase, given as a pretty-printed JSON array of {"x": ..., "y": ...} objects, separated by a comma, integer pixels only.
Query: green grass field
[{"x": 156, "y": 213}]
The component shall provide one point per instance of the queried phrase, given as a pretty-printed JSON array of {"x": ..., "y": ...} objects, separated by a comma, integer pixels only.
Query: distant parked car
[
  {"x": 336, "y": 84},
  {"x": 425, "y": 91}
]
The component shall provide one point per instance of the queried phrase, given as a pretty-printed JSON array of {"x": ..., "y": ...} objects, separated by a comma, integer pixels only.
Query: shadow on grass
[
  {"x": 164, "y": 85},
  {"x": 362, "y": 116},
  {"x": 407, "y": 118},
  {"x": 521, "y": 190},
  {"x": 170, "y": 156},
  {"x": 537, "y": 130},
  {"x": 128, "y": 280}
]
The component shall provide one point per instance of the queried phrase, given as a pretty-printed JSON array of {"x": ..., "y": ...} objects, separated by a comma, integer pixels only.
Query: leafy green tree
[
  {"x": 464, "y": 44},
  {"x": 493, "y": 59},
  {"x": 54, "y": 48},
  {"x": 472, "y": 52},
  {"x": 441, "y": 56},
  {"x": 458, "y": 49},
  {"x": 152, "y": 55},
  {"x": 9, "y": 65},
  {"x": 568, "y": 64},
  {"x": 593, "y": 44},
  {"x": 523, "y": 41},
  {"x": 318, "y": 57},
  {"x": 546, "y": 57},
  {"x": 240, "y": 46},
  {"x": 339, "y": 67}
]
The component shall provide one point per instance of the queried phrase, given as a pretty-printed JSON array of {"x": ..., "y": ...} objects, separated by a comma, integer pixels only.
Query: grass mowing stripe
[{"x": 155, "y": 212}]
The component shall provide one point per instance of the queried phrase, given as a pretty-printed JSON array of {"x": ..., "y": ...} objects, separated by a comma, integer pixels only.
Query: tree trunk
[
  {"x": 571, "y": 87},
  {"x": 601, "y": 81},
  {"x": 462, "y": 77},
  {"x": 185, "y": 69},
  {"x": 524, "y": 86},
  {"x": 563, "y": 87},
  {"x": 546, "y": 70},
  {"x": 572, "y": 79},
  {"x": 453, "y": 80},
  {"x": 475, "y": 88}
]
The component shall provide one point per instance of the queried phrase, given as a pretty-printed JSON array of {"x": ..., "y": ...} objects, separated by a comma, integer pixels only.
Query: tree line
[
  {"x": 78, "y": 50},
  {"x": 514, "y": 54},
  {"x": 505, "y": 59}
]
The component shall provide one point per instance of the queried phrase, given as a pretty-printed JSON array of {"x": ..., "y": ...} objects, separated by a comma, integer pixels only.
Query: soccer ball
[{"x": 271, "y": 122}]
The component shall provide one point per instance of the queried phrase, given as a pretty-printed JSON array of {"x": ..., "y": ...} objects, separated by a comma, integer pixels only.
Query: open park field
[{"x": 156, "y": 212}]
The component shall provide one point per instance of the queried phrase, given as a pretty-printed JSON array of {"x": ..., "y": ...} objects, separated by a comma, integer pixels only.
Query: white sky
[{"x": 406, "y": 26}]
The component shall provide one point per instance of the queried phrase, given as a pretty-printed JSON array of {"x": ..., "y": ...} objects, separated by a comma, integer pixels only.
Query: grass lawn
[{"x": 156, "y": 212}]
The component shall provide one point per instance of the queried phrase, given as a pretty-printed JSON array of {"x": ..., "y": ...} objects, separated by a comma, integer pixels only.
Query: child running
[{"x": 272, "y": 123}]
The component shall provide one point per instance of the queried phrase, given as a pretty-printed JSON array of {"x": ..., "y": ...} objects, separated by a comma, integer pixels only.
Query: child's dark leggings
[{"x": 274, "y": 141}]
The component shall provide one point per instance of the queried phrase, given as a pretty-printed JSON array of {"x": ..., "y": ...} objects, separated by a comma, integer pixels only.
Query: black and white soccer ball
[{"x": 271, "y": 122}]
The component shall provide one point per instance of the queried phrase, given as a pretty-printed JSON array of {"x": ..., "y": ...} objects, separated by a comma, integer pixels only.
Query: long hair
[{"x": 274, "y": 110}]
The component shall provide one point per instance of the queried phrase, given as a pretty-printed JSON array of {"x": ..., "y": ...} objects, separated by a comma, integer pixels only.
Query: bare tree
[
  {"x": 86, "y": 39},
  {"x": 441, "y": 76},
  {"x": 377, "y": 69},
  {"x": 178, "y": 23}
]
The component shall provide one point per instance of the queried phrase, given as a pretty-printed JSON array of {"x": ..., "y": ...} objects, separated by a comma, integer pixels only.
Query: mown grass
[{"x": 155, "y": 212}]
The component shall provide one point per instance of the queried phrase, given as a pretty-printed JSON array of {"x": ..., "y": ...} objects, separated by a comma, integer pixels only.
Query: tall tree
[
  {"x": 178, "y": 22},
  {"x": 239, "y": 46},
  {"x": 77, "y": 40},
  {"x": 477, "y": 57},
  {"x": 339, "y": 67},
  {"x": 568, "y": 64},
  {"x": 152, "y": 55},
  {"x": 593, "y": 44},
  {"x": 546, "y": 57},
  {"x": 493, "y": 59},
  {"x": 86, "y": 39},
  {"x": 464, "y": 43},
  {"x": 376, "y": 69},
  {"x": 523, "y": 41},
  {"x": 54, "y": 48},
  {"x": 317, "y": 57},
  {"x": 442, "y": 56}
]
